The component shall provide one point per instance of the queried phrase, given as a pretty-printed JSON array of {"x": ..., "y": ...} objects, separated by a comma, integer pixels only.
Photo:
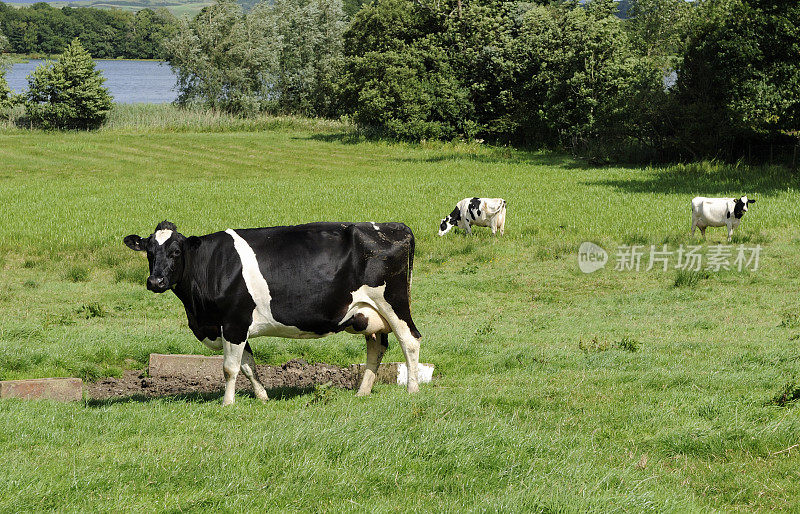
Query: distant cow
[
  {"x": 304, "y": 281},
  {"x": 482, "y": 212},
  {"x": 718, "y": 212}
]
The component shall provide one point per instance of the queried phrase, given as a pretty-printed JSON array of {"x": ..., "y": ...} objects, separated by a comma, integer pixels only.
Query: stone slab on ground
[
  {"x": 167, "y": 365},
  {"x": 59, "y": 389}
]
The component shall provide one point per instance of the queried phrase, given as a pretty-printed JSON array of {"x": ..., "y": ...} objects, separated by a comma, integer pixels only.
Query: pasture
[{"x": 555, "y": 390}]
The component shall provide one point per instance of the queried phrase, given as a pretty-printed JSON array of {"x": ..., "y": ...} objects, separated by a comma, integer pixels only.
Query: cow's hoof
[
  {"x": 413, "y": 388},
  {"x": 363, "y": 393},
  {"x": 225, "y": 403}
]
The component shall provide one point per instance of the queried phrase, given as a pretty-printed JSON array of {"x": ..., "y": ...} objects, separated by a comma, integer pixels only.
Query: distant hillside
[{"x": 176, "y": 7}]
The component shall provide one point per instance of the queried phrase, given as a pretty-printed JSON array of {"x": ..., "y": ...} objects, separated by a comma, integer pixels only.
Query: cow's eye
[{"x": 175, "y": 253}]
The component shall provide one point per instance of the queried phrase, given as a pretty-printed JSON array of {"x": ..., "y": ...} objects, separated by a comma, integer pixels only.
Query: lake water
[{"x": 130, "y": 82}]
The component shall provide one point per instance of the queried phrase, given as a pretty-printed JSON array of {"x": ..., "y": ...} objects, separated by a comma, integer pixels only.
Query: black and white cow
[
  {"x": 482, "y": 212},
  {"x": 718, "y": 212},
  {"x": 303, "y": 281}
]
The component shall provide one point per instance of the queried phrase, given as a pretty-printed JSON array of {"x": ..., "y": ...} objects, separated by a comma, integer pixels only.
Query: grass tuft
[
  {"x": 690, "y": 278},
  {"x": 787, "y": 396},
  {"x": 77, "y": 273}
]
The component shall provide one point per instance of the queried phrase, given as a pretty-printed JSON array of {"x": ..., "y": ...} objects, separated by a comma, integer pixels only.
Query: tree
[
  {"x": 740, "y": 76},
  {"x": 399, "y": 76},
  {"x": 310, "y": 55},
  {"x": 222, "y": 58},
  {"x": 68, "y": 93}
]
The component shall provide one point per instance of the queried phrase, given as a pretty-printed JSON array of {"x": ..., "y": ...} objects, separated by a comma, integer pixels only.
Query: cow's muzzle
[{"x": 157, "y": 284}]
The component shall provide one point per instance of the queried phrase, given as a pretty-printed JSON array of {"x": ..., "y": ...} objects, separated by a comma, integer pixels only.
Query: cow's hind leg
[
  {"x": 410, "y": 346},
  {"x": 376, "y": 347},
  {"x": 249, "y": 370},
  {"x": 408, "y": 336},
  {"x": 231, "y": 364}
]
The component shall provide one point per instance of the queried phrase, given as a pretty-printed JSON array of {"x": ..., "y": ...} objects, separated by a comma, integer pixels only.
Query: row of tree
[
  {"x": 105, "y": 33},
  {"x": 676, "y": 79}
]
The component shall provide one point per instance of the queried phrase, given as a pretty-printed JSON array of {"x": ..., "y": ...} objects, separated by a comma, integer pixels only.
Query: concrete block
[
  {"x": 396, "y": 373},
  {"x": 59, "y": 389},
  {"x": 163, "y": 365}
]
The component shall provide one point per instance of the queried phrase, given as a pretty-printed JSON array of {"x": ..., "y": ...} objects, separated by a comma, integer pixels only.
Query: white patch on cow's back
[
  {"x": 162, "y": 236},
  {"x": 375, "y": 226},
  {"x": 263, "y": 324}
]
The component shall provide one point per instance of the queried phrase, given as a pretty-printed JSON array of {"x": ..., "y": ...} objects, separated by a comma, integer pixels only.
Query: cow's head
[
  {"x": 741, "y": 206},
  {"x": 165, "y": 254},
  {"x": 449, "y": 221}
]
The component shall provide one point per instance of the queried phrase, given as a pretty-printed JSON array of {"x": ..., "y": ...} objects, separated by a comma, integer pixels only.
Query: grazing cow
[
  {"x": 718, "y": 212},
  {"x": 482, "y": 212},
  {"x": 304, "y": 281}
]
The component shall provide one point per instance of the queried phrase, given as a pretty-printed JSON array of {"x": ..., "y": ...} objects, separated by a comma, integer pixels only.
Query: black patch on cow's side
[
  {"x": 474, "y": 208},
  {"x": 729, "y": 214},
  {"x": 738, "y": 210},
  {"x": 312, "y": 270}
]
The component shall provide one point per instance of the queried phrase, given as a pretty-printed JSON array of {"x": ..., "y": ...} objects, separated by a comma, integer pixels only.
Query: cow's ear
[
  {"x": 193, "y": 242},
  {"x": 134, "y": 242},
  {"x": 750, "y": 201}
]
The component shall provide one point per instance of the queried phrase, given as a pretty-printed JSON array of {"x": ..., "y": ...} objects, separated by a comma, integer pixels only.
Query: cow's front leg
[
  {"x": 231, "y": 364},
  {"x": 249, "y": 370},
  {"x": 730, "y": 232}
]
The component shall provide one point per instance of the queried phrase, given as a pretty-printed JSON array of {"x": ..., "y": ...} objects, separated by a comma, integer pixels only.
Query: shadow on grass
[
  {"x": 277, "y": 393},
  {"x": 489, "y": 154},
  {"x": 707, "y": 179}
]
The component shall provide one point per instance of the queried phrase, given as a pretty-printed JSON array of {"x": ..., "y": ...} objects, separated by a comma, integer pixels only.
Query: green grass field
[{"x": 555, "y": 390}]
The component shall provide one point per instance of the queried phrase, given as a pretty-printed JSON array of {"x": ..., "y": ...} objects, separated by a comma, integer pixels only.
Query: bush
[
  {"x": 5, "y": 92},
  {"x": 68, "y": 93},
  {"x": 399, "y": 77},
  {"x": 739, "y": 81}
]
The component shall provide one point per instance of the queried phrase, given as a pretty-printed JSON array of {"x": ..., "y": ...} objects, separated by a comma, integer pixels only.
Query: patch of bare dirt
[{"x": 295, "y": 374}]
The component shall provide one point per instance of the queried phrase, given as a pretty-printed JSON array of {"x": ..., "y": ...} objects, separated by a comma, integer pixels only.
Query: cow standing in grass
[
  {"x": 718, "y": 212},
  {"x": 304, "y": 281},
  {"x": 481, "y": 212}
]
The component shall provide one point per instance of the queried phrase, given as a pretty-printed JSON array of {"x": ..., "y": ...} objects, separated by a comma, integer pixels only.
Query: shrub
[
  {"x": 5, "y": 91},
  {"x": 68, "y": 93},
  {"x": 399, "y": 77}
]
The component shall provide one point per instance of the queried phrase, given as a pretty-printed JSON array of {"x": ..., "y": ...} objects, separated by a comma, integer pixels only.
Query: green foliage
[
  {"x": 309, "y": 62},
  {"x": 5, "y": 91},
  {"x": 740, "y": 77},
  {"x": 68, "y": 93},
  {"x": 106, "y": 33},
  {"x": 283, "y": 57},
  {"x": 220, "y": 58},
  {"x": 502, "y": 71},
  {"x": 658, "y": 28}
]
